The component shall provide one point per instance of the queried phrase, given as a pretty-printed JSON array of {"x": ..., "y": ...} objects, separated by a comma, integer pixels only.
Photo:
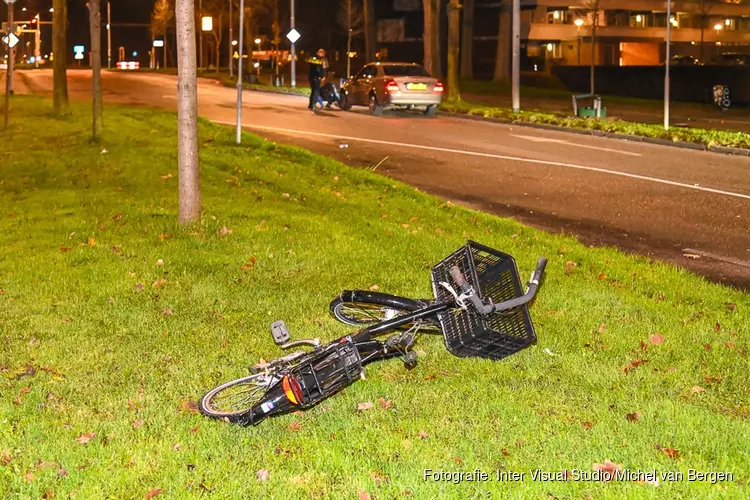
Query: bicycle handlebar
[{"x": 490, "y": 308}]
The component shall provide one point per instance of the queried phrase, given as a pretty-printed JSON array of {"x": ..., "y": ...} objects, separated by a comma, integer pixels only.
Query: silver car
[{"x": 383, "y": 86}]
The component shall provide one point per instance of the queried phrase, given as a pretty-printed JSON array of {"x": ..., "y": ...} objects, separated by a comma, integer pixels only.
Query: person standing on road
[{"x": 318, "y": 65}]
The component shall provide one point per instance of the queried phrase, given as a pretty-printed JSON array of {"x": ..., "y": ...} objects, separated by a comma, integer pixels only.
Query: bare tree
[
  {"x": 504, "y": 36},
  {"x": 454, "y": 11},
  {"x": 371, "y": 36},
  {"x": 95, "y": 22},
  {"x": 593, "y": 7},
  {"x": 432, "y": 37},
  {"x": 467, "y": 40},
  {"x": 59, "y": 50},
  {"x": 703, "y": 17},
  {"x": 162, "y": 19},
  {"x": 187, "y": 114}
]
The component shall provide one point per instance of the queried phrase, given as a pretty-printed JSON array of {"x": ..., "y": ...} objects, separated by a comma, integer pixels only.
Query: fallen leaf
[
  {"x": 364, "y": 406},
  {"x": 165, "y": 177},
  {"x": 633, "y": 365},
  {"x": 609, "y": 468},
  {"x": 458, "y": 461},
  {"x": 5, "y": 458},
  {"x": 691, "y": 255},
  {"x": 138, "y": 287},
  {"x": 656, "y": 338},
  {"x": 62, "y": 472},
  {"x": 569, "y": 266},
  {"x": 28, "y": 477},
  {"x": 379, "y": 478},
  {"x": 707, "y": 347},
  {"x": 262, "y": 475},
  {"x": 363, "y": 495},
  {"x": 295, "y": 426},
  {"x": 505, "y": 452},
  {"x": 633, "y": 417},
  {"x": 85, "y": 438},
  {"x": 430, "y": 377},
  {"x": 730, "y": 306},
  {"x": 163, "y": 236},
  {"x": 711, "y": 380},
  {"x": 159, "y": 283},
  {"x": 602, "y": 327},
  {"x": 717, "y": 327},
  {"x": 374, "y": 288},
  {"x": 385, "y": 404},
  {"x": 189, "y": 406},
  {"x": 671, "y": 453},
  {"x": 601, "y": 276},
  {"x": 159, "y": 262},
  {"x": 696, "y": 388},
  {"x": 731, "y": 345},
  {"x": 92, "y": 242},
  {"x": 153, "y": 493},
  {"x": 48, "y": 494},
  {"x": 176, "y": 447},
  {"x": 643, "y": 346},
  {"x": 64, "y": 249},
  {"x": 423, "y": 435},
  {"x": 250, "y": 263},
  {"x": 225, "y": 231},
  {"x": 167, "y": 312},
  {"x": 138, "y": 423},
  {"x": 588, "y": 425},
  {"x": 116, "y": 217},
  {"x": 194, "y": 429}
]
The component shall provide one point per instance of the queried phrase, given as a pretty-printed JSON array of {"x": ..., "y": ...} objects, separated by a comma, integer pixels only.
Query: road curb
[{"x": 600, "y": 133}]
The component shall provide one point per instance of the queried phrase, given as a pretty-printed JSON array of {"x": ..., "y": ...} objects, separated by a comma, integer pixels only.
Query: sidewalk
[{"x": 637, "y": 110}]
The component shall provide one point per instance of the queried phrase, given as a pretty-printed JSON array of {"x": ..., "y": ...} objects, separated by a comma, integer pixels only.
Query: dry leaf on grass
[
  {"x": 385, "y": 403},
  {"x": 569, "y": 266},
  {"x": 159, "y": 283},
  {"x": 633, "y": 365},
  {"x": 138, "y": 423},
  {"x": 363, "y": 495},
  {"x": 633, "y": 417},
  {"x": 224, "y": 231},
  {"x": 656, "y": 338},
  {"x": 696, "y": 388},
  {"x": 138, "y": 287},
  {"x": 262, "y": 475},
  {"x": 602, "y": 327},
  {"x": 295, "y": 426},
  {"x": 189, "y": 406},
  {"x": 153, "y": 493},
  {"x": 609, "y": 468},
  {"x": 85, "y": 438},
  {"x": 364, "y": 406},
  {"x": 250, "y": 263},
  {"x": 423, "y": 435}
]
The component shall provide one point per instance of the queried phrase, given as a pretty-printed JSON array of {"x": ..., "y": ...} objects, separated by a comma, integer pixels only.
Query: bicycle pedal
[{"x": 280, "y": 332}]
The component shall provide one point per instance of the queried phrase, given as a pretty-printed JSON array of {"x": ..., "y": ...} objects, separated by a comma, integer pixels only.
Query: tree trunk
[
  {"x": 502, "y": 58},
  {"x": 454, "y": 26},
  {"x": 371, "y": 36},
  {"x": 594, "y": 25},
  {"x": 432, "y": 37},
  {"x": 95, "y": 20},
  {"x": 187, "y": 114},
  {"x": 59, "y": 51},
  {"x": 467, "y": 40},
  {"x": 249, "y": 39}
]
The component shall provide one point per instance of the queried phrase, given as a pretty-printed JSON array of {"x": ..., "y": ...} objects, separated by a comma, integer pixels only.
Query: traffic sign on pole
[
  {"x": 293, "y": 35},
  {"x": 11, "y": 40}
]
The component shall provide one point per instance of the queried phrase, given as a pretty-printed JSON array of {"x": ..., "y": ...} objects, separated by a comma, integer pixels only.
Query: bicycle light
[{"x": 292, "y": 390}]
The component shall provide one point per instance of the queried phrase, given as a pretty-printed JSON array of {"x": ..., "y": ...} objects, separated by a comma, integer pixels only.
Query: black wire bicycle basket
[{"x": 494, "y": 275}]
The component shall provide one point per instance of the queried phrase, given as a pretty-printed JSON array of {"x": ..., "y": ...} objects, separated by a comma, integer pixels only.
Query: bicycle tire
[
  {"x": 362, "y": 308},
  {"x": 206, "y": 403}
]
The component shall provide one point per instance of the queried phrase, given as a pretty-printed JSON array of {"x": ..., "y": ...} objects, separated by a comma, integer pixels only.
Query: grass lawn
[{"x": 113, "y": 319}]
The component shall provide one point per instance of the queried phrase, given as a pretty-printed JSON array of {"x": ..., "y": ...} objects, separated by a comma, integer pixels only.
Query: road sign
[
  {"x": 11, "y": 40},
  {"x": 79, "y": 49},
  {"x": 9, "y": 1},
  {"x": 293, "y": 35},
  {"x": 236, "y": 55},
  {"x": 79, "y": 55},
  {"x": 158, "y": 43}
]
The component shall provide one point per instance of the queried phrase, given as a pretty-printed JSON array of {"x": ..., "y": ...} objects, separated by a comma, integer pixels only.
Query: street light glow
[
  {"x": 207, "y": 23},
  {"x": 638, "y": 18},
  {"x": 52, "y": 9},
  {"x": 258, "y": 40},
  {"x": 727, "y": 22},
  {"x": 718, "y": 26},
  {"x": 578, "y": 22},
  {"x": 234, "y": 43}
]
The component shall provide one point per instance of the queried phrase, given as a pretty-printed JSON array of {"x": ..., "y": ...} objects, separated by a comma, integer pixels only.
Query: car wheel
[
  {"x": 431, "y": 111},
  {"x": 375, "y": 108},
  {"x": 344, "y": 102}
]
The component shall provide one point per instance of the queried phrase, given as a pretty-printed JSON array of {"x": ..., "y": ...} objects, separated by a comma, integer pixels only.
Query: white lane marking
[
  {"x": 731, "y": 260},
  {"x": 169, "y": 97},
  {"x": 576, "y": 145},
  {"x": 495, "y": 156}
]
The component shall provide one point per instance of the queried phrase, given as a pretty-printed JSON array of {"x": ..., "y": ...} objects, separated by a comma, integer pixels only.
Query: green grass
[
  {"x": 708, "y": 138},
  {"x": 82, "y": 228}
]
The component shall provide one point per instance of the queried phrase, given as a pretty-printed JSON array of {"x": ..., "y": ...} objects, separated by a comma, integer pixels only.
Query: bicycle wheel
[
  {"x": 362, "y": 308},
  {"x": 235, "y": 398}
]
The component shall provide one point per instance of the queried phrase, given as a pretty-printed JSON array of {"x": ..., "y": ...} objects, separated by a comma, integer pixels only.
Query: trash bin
[
  {"x": 594, "y": 111},
  {"x": 722, "y": 97}
]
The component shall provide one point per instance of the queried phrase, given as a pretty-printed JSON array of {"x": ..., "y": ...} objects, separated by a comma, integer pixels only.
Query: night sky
[{"x": 316, "y": 20}]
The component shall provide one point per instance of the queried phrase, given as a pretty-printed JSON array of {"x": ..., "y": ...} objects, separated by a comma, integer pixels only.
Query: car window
[
  {"x": 361, "y": 73},
  {"x": 372, "y": 71},
  {"x": 405, "y": 70}
]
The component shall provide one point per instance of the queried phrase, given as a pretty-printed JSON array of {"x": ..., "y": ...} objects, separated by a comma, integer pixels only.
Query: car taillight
[
  {"x": 438, "y": 87},
  {"x": 392, "y": 86}
]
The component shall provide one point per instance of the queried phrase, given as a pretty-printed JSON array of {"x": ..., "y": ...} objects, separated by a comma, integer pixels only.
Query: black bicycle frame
[{"x": 393, "y": 323}]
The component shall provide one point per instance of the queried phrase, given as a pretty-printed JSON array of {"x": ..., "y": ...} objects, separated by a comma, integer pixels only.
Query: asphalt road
[{"x": 656, "y": 200}]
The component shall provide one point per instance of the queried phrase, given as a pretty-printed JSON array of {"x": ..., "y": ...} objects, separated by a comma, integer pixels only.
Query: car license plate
[{"x": 416, "y": 86}]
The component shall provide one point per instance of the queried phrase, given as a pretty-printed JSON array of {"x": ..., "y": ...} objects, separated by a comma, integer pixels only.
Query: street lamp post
[
  {"x": 257, "y": 60},
  {"x": 292, "y": 52},
  {"x": 239, "y": 72},
  {"x": 109, "y": 35},
  {"x": 667, "y": 65},
  {"x": 579, "y": 22}
]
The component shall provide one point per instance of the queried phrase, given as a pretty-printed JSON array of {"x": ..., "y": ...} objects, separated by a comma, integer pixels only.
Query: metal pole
[
  {"x": 231, "y": 38},
  {"x": 109, "y": 35},
  {"x": 516, "y": 49},
  {"x": 667, "y": 64},
  {"x": 200, "y": 34},
  {"x": 239, "y": 72},
  {"x": 294, "y": 62},
  {"x": 12, "y": 51},
  {"x": 37, "y": 42},
  {"x": 9, "y": 72},
  {"x": 349, "y": 42}
]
